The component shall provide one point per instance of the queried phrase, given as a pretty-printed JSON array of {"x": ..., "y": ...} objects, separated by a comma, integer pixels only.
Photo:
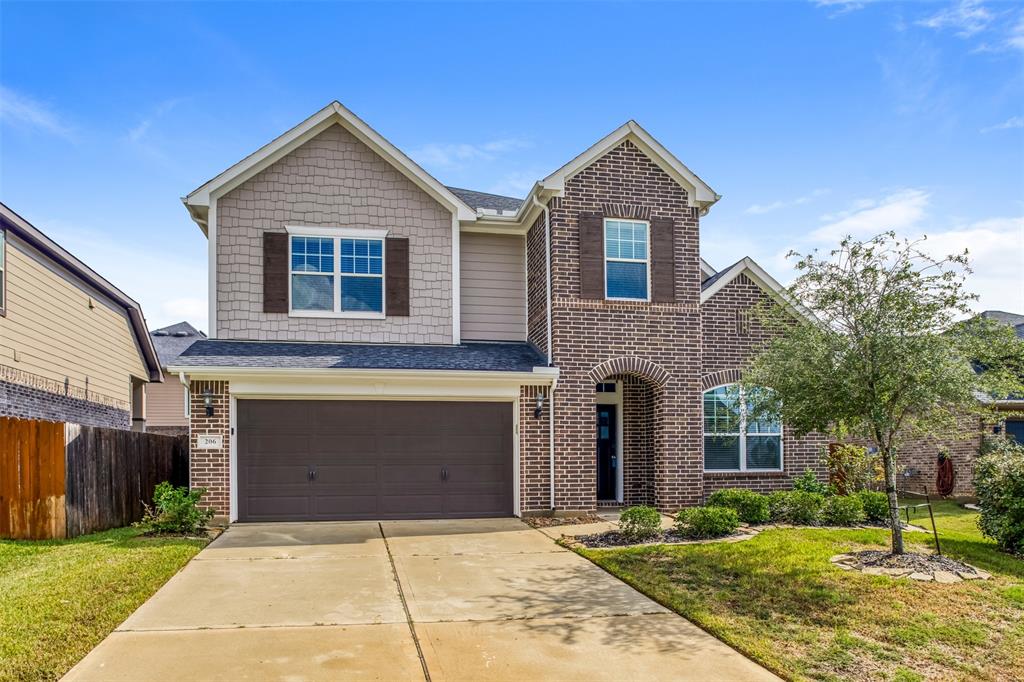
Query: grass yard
[
  {"x": 59, "y": 598},
  {"x": 777, "y": 599}
]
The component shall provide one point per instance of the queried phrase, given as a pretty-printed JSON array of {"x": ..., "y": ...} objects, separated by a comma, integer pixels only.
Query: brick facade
[
  {"x": 918, "y": 458},
  {"x": 534, "y": 453},
  {"x": 210, "y": 468},
  {"x": 28, "y": 402}
]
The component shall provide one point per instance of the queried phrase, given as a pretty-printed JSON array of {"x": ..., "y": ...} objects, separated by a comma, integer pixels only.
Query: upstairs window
[
  {"x": 736, "y": 438},
  {"x": 626, "y": 260},
  {"x": 337, "y": 275}
]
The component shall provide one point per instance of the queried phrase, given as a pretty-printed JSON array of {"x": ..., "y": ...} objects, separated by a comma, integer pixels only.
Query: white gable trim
[
  {"x": 762, "y": 279},
  {"x": 706, "y": 270},
  {"x": 333, "y": 114},
  {"x": 700, "y": 194}
]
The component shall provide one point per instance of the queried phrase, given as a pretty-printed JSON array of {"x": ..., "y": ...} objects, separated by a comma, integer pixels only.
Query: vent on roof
[
  {"x": 180, "y": 334},
  {"x": 160, "y": 333}
]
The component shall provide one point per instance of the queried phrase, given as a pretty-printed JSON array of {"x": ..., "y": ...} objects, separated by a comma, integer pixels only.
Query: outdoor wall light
[
  {"x": 538, "y": 409},
  {"x": 208, "y": 402}
]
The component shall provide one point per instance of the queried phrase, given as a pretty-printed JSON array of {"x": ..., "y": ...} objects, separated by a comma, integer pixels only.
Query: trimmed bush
[
  {"x": 707, "y": 522},
  {"x": 640, "y": 523},
  {"x": 176, "y": 510},
  {"x": 842, "y": 510},
  {"x": 808, "y": 482},
  {"x": 999, "y": 484},
  {"x": 875, "y": 505},
  {"x": 778, "y": 505},
  {"x": 804, "y": 508},
  {"x": 751, "y": 507}
]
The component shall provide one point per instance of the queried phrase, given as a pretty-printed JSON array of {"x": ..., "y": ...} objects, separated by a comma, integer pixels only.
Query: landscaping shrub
[
  {"x": 851, "y": 468},
  {"x": 842, "y": 510},
  {"x": 875, "y": 505},
  {"x": 751, "y": 507},
  {"x": 176, "y": 510},
  {"x": 640, "y": 523},
  {"x": 778, "y": 505},
  {"x": 804, "y": 508},
  {"x": 707, "y": 522},
  {"x": 808, "y": 482},
  {"x": 999, "y": 484}
]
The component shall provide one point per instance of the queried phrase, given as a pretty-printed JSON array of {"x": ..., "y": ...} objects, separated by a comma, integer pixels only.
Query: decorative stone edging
[{"x": 946, "y": 573}]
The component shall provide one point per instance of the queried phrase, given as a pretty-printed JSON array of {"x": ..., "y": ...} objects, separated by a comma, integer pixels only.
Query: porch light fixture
[
  {"x": 208, "y": 402},
  {"x": 538, "y": 409}
]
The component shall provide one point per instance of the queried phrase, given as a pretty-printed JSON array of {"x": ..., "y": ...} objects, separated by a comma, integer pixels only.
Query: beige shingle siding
[
  {"x": 165, "y": 403},
  {"x": 493, "y": 295},
  {"x": 334, "y": 180},
  {"x": 55, "y": 334}
]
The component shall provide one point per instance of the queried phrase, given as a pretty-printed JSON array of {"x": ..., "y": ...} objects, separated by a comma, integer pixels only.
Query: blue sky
[{"x": 812, "y": 119}]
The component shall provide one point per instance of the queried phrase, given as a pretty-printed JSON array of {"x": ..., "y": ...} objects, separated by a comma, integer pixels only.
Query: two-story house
[{"x": 383, "y": 346}]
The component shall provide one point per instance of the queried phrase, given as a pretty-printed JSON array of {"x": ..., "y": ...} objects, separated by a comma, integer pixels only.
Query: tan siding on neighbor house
[
  {"x": 52, "y": 331},
  {"x": 493, "y": 294},
  {"x": 165, "y": 403}
]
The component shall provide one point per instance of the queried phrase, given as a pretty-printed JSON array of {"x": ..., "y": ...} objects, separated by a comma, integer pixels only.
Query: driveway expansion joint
[{"x": 405, "y": 605}]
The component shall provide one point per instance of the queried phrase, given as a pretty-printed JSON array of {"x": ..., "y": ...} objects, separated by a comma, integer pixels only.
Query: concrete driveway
[{"x": 403, "y": 600}]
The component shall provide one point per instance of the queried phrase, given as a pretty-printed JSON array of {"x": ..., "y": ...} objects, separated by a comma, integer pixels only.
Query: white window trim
[
  {"x": 743, "y": 438},
  {"x": 645, "y": 261},
  {"x": 337, "y": 234}
]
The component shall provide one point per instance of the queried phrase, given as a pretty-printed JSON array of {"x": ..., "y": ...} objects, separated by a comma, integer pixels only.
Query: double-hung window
[
  {"x": 737, "y": 436},
  {"x": 337, "y": 275},
  {"x": 627, "y": 260}
]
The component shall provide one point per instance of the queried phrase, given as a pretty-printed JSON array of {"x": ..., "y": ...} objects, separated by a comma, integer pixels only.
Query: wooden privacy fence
[{"x": 63, "y": 480}]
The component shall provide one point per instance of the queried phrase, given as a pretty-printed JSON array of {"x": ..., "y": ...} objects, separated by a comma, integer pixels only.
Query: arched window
[{"x": 736, "y": 438}]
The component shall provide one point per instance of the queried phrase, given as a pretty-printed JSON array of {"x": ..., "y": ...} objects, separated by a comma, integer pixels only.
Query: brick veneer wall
[
  {"x": 730, "y": 336},
  {"x": 637, "y": 441},
  {"x": 27, "y": 402},
  {"x": 588, "y": 333},
  {"x": 534, "y": 453},
  {"x": 210, "y": 468},
  {"x": 536, "y": 286},
  {"x": 921, "y": 454},
  {"x": 334, "y": 180}
]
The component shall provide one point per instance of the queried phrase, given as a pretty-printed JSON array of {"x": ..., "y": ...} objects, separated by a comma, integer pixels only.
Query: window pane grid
[
  {"x": 735, "y": 441},
  {"x": 626, "y": 259},
  {"x": 353, "y": 282}
]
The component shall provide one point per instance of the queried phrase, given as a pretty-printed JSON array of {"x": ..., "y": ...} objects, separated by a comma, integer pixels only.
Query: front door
[{"x": 607, "y": 459}]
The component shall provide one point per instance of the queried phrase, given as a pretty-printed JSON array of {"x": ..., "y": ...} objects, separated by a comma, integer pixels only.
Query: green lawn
[
  {"x": 777, "y": 599},
  {"x": 59, "y": 598}
]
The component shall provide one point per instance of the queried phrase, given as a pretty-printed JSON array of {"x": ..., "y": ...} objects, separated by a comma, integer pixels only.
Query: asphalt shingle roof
[
  {"x": 495, "y": 202},
  {"x": 491, "y": 357},
  {"x": 171, "y": 341}
]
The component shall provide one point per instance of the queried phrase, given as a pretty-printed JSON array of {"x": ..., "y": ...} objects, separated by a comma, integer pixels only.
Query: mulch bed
[
  {"x": 614, "y": 538},
  {"x": 922, "y": 567},
  {"x": 552, "y": 521}
]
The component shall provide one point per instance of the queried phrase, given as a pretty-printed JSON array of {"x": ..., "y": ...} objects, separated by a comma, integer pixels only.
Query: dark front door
[
  {"x": 302, "y": 460},
  {"x": 607, "y": 459}
]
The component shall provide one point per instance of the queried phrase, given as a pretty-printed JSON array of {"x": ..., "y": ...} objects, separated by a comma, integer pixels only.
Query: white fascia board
[
  {"x": 334, "y": 113},
  {"x": 700, "y": 193},
  {"x": 539, "y": 375},
  {"x": 762, "y": 279},
  {"x": 705, "y": 269}
]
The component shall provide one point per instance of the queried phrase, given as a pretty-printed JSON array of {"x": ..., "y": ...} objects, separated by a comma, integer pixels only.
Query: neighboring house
[
  {"x": 73, "y": 347},
  {"x": 167, "y": 402},
  {"x": 384, "y": 346}
]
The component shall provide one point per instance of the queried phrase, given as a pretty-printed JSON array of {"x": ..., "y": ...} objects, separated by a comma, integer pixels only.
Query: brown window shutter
[
  {"x": 663, "y": 265},
  {"x": 275, "y": 272},
  {"x": 396, "y": 268},
  {"x": 591, "y": 255}
]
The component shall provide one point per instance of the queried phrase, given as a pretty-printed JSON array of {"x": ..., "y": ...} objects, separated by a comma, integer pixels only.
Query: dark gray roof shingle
[
  {"x": 494, "y": 202},
  {"x": 171, "y": 341},
  {"x": 490, "y": 357}
]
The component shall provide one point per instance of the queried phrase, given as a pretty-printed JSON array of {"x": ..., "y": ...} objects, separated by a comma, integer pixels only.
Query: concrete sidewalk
[{"x": 401, "y": 600}]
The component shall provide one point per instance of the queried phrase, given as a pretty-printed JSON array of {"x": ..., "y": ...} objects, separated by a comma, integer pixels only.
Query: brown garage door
[{"x": 336, "y": 460}]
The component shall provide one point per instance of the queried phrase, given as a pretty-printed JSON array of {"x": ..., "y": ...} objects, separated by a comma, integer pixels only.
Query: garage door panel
[{"x": 374, "y": 459}]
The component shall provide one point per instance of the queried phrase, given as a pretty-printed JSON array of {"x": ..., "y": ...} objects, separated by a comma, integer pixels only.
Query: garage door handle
[{"x": 444, "y": 474}]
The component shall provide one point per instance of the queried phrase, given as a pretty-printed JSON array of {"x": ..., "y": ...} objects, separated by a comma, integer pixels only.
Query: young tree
[{"x": 885, "y": 359}]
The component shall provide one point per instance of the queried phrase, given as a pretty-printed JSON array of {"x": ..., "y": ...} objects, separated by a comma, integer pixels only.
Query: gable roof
[
  {"x": 13, "y": 222},
  {"x": 198, "y": 200},
  {"x": 173, "y": 340},
  {"x": 757, "y": 274},
  {"x": 1013, "y": 319},
  {"x": 700, "y": 194},
  {"x": 486, "y": 200}
]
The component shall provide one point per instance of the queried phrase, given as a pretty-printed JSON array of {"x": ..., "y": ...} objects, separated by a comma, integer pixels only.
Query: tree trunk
[{"x": 889, "y": 463}]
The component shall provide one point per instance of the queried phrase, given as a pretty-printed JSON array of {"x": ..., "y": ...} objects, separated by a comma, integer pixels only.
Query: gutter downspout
[{"x": 550, "y": 348}]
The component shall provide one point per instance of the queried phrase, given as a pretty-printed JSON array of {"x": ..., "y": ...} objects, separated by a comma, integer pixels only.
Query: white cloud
[
  {"x": 140, "y": 131},
  {"x": 516, "y": 183},
  {"x": 866, "y": 217},
  {"x": 454, "y": 155},
  {"x": 23, "y": 111},
  {"x": 1008, "y": 124},
  {"x": 170, "y": 287},
  {"x": 966, "y": 18},
  {"x": 760, "y": 209},
  {"x": 842, "y": 6}
]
